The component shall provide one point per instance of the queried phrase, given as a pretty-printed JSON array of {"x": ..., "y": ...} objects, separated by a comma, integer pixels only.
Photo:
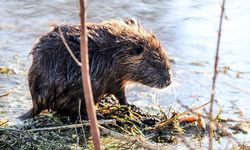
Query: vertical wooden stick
[
  {"x": 215, "y": 77},
  {"x": 94, "y": 130}
]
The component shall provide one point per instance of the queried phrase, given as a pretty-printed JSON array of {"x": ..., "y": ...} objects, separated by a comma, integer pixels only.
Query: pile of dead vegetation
[{"x": 121, "y": 127}]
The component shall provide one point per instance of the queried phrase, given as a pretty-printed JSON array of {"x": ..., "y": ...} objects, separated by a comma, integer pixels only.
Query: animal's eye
[{"x": 137, "y": 50}]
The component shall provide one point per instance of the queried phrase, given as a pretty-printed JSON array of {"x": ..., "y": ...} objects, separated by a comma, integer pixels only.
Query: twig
[
  {"x": 139, "y": 140},
  {"x": 238, "y": 88},
  {"x": 199, "y": 107},
  {"x": 218, "y": 125},
  {"x": 234, "y": 120},
  {"x": 61, "y": 127},
  {"x": 4, "y": 94},
  {"x": 68, "y": 48},
  {"x": 167, "y": 122},
  {"x": 4, "y": 122},
  {"x": 132, "y": 143},
  {"x": 215, "y": 77},
  {"x": 87, "y": 89},
  {"x": 77, "y": 139},
  {"x": 83, "y": 131},
  {"x": 159, "y": 126}
]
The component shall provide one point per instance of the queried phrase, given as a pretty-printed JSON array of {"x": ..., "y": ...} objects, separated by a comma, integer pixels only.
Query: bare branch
[
  {"x": 80, "y": 118},
  {"x": 215, "y": 77},
  {"x": 139, "y": 139},
  {"x": 214, "y": 123},
  {"x": 86, "y": 123},
  {"x": 246, "y": 91},
  {"x": 168, "y": 121},
  {"x": 88, "y": 94},
  {"x": 4, "y": 94},
  {"x": 68, "y": 48}
]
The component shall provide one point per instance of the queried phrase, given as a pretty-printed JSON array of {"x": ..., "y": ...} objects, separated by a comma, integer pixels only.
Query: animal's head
[{"x": 136, "y": 55}]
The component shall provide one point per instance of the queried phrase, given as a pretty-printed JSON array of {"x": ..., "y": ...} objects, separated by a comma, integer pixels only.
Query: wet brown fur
[{"x": 120, "y": 52}]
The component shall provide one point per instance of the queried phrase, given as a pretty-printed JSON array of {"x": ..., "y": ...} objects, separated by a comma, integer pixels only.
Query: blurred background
[{"x": 187, "y": 29}]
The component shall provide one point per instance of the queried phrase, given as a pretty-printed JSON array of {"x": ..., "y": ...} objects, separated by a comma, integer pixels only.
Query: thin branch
[
  {"x": 4, "y": 94},
  {"x": 77, "y": 139},
  {"x": 139, "y": 140},
  {"x": 68, "y": 48},
  {"x": 246, "y": 91},
  {"x": 159, "y": 126},
  {"x": 215, "y": 77},
  {"x": 199, "y": 107},
  {"x": 86, "y": 123},
  {"x": 80, "y": 117},
  {"x": 88, "y": 94},
  {"x": 216, "y": 123},
  {"x": 3, "y": 123}
]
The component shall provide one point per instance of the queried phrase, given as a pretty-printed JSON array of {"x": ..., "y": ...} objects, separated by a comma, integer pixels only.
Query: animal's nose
[
  {"x": 167, "y": 77},
  {"x": 168, "y": 82},
  {"x": 166, "y": 74}
]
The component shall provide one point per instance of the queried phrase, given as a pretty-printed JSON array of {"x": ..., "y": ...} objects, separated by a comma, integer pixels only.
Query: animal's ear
[
  {"x": 132, "y": 22},
  {"x": 137, "y": 50}
]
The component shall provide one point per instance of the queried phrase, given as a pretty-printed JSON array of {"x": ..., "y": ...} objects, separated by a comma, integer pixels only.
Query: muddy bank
[{"x": 121, "y": 127}]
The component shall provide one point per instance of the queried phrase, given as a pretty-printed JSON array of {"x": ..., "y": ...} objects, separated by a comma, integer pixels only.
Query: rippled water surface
[{"x": 187, "y": 28}]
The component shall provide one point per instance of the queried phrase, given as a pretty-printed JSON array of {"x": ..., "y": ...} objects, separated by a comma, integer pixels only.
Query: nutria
[{"x": 120, "y": 52}]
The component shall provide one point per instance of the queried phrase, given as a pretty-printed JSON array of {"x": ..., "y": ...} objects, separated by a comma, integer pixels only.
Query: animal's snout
[
  {"x": 168, "y": 82},
  {"x": 166, "y": 74},
  {"x": 167, "y": 77}
]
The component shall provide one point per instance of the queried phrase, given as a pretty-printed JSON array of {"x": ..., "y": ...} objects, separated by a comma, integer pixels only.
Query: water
[{"x": 187, "y": 28}]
